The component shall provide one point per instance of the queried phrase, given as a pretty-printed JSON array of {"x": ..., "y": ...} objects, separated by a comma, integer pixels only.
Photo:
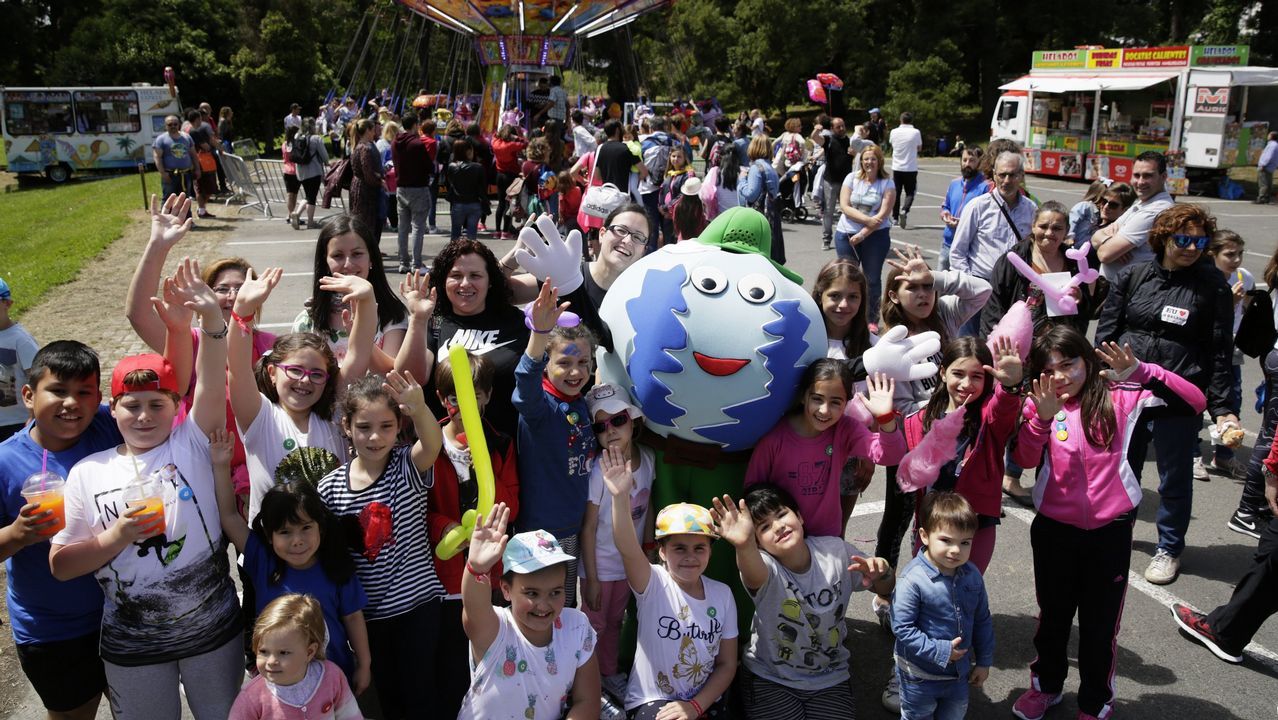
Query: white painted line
[
  {"x": 297, "y": 274},
  {"x": 274, "y": 326},
  {"x": 272, "y": 242},
  {"x": 870, "y": 508}
]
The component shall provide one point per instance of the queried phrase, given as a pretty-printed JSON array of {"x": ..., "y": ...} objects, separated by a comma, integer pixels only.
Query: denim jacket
[{"x": 929, "y": 609}]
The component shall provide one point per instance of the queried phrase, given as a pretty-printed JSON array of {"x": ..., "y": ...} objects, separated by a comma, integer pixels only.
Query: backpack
[
  {"x": 715, "y": 152},
  {"x": 656, "y": 156},
  {"x": 300, "y": 150},
  {"x": 793, "y": 152},
  {"x": 670, "y": 191},
  {"x": 515, "y": 207},
  {"x": 1256, "y": 333}
]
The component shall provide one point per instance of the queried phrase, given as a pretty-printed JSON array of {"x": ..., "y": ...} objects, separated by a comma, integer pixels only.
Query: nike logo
[
  {"x": 488, "y": 348},
  {"x": 477, "y": 342}
]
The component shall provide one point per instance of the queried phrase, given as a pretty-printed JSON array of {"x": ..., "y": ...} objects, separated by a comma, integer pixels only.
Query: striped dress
[{"x": 386, "y": 528}]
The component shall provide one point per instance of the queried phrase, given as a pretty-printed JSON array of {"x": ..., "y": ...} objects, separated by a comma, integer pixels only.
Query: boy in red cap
[{"x": 143, "y": 518}]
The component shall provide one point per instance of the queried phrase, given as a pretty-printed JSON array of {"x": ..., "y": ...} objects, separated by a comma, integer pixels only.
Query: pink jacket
[
  {"x": 1086, "y": 486},
  {"x": 980, "y": 478}
]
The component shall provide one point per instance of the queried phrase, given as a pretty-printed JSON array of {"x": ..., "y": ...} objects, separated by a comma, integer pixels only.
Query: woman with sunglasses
[
  {"x": 622, "y": 241},
  {"x": 1103, "y": 203},
  {"x": 1175, "y": 310}
]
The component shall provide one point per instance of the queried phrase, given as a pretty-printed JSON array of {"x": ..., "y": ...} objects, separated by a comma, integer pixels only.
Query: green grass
[{"x": 49, "y": 233}]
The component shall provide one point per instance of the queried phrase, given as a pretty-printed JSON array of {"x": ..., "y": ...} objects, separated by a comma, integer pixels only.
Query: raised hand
[
  {"x": 880, "y": 388},
  {"x": 618, "y": 475},
  {"x": 419, "y": 297},
  {"x": 956, "y": 652},
  {"x": 349, "y": 288},
  {"x": 545, "y": 311},
  {"x": 550, "y": 258},
  {"x": 1007, "y": 368},
  {"x": 192, "y": 291},
  {"x": 913, "y": 267},
  {"x": 254, "y": 292},
  {"x": 733, "y": 520},
  {"x": 489, "y": 539},
  {"x": 221, "y": 447},
  {"x": 1121, "y": 360},
  {"x": 407, "y": 392},
  {"x": 171, "y": 221},
  {"x": 871, "y": 568},
  {"x": 903, "y": 357},
  {"x": 1046, "y": 403},
  {"x": 175, "y": 315}
]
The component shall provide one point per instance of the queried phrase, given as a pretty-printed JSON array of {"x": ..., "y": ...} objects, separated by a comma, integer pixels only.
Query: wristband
[
  {"x": 696, "y": 706},
  {"x": 216, "y": 335},
  {"x": 481, "y": 577},
  {"x": 243, "y": 321},
  {"x": 886, "y": 418}
]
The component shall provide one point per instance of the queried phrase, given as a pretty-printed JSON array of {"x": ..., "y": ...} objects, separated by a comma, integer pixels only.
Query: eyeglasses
[
  {"x": 616, "y": 421},
  {"x": 297, "y": 372},
  {"x": 1184, "y": 242},
  {"x": 624, "y": 233},
  {"x": 1110, "y": 203},
  {"x": 1008, "y": 175},
  {"x": 225, "y": 290}
]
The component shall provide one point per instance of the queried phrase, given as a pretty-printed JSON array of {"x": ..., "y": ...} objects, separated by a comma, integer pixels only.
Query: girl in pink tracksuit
[{"x": 1077, "y": 423}]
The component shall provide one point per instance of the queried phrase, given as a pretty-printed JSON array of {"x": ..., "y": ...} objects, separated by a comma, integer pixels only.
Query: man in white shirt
[
  {"x": 1126, "y": 241},
  {"x": 583, "y": 134},
  {"x": 992, "y": 224},
  {"x": 906, "y": 141},
  {"x": 294, "y": 117},
  {"x": 558, "y": 101}
]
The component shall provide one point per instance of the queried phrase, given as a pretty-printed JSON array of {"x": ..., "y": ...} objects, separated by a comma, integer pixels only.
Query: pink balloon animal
[
  {"x": 920, "y": 466},
  {"x": 1059, "y": 295}
]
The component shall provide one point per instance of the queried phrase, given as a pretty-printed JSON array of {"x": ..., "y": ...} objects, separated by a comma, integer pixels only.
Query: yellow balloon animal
[{"x": 464, "y": 385}]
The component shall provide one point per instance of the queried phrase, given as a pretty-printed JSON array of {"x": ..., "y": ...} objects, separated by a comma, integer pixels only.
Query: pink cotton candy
[
  {"x": 920, "y": 466},
  {"x": 1018, "y": 325},
  {"x": 857, "y": 410}
]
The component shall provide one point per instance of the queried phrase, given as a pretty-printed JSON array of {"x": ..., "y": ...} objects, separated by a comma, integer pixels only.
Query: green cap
[{"x": 745, "y": 230}]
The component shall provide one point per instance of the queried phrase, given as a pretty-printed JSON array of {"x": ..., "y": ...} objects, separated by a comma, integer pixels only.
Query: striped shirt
[{"x": 386, "y": 529}]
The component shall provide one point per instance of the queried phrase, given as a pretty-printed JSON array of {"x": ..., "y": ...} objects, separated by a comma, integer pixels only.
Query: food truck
[
  {"x": 1088, "y": 112},
  {"x": 57, "y": 131}
]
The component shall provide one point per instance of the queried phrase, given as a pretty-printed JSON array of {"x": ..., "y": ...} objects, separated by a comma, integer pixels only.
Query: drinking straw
[{"x": 44, "y": 467}]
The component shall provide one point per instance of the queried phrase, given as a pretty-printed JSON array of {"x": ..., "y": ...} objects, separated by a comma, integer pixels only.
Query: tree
[{"x": 933, "y": 90}]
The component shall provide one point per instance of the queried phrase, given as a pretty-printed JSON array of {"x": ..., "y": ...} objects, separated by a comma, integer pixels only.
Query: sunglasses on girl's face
[
  {"x": 615, "y": 421},
  {"x": 297, "y": 372},
  {"x": 1110, "y": 203},
  {"x": 1184, "y": 242}
]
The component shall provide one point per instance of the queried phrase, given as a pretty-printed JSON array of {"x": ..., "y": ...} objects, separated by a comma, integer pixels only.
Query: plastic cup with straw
[{"x": 45, "y": 489}]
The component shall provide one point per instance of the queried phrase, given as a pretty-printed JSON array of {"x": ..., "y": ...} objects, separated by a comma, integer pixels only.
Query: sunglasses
[
  {"x": 616, "y": 421},
  {"x": 1184, "y": 242},
  {"x": 297, "y": 372},
  {"x": 1110, "y": 203}
]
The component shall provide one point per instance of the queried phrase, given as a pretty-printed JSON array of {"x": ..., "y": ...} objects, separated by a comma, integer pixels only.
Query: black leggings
[
  {"x": 403, "y": 650},
  {"x": 898, "y": 511},
  {"x": 1252, "y": 501},
  {"x": 504, "y": 223}
]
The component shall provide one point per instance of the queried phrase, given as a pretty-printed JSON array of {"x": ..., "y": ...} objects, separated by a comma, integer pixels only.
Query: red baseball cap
[{"x": 157, "y": 364}]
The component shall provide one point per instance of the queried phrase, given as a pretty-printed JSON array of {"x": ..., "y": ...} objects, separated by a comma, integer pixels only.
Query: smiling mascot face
[{"x": 710, "y": 344}]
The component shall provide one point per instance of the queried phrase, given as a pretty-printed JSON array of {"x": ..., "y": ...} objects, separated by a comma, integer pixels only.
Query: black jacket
[
  {"x": 1010, "y": 286},
  {"x": 1182, "y": 320}
]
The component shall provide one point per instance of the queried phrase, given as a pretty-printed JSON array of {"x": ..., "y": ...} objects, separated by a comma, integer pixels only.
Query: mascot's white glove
[
  {"x": 549, "y": 257},
  {"x": 903, "y": 358}
]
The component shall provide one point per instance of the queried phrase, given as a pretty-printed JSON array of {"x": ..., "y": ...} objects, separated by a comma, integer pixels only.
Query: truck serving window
[
  {"x": 1007, "y": 110},
  {"x": 107, "y": 111},
  {"x": 38, "y": 112}
]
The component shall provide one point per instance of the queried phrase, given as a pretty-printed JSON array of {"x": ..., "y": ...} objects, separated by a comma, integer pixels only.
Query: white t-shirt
[
  {"x": 679, "y": 638},
  {"x": 517, "y": 680},
  {"x": 339, "y": 340},
  {"x": 272, "y": 437},
  {"x": 170, "y": 596},
  {"x": 866, "y": 197},
  {"x": 17, "y": 352},
  {"x": 906, "y": 142},
  {"x": 1134, "y": 226},
  {"x": 608, "y": 564}
]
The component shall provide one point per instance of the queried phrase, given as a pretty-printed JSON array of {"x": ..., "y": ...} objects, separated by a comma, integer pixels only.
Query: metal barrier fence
[{"x": 258, "y": 183}]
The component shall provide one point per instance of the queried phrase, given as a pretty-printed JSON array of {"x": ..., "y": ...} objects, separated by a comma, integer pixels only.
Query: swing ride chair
[{"x": 507, "y": 43}]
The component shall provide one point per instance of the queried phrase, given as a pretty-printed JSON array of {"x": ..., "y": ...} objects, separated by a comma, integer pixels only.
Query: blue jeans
[
  {"x": 871, "y": 254},
  {"x": 178, "y": 183},
  {"x": 464, "y": 215},
  {"x": 943, "y": 262},
  {"x": 1174, "y": 440},
  {"x": 932, "y": 699}
]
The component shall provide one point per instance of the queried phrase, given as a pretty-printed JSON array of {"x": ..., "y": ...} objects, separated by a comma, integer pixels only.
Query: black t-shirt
[
  {"x": 202, "y": 137},
  {"x": 467, "y": 182},
  {"x": 837, "y": 161},
  {"x": 497, "y": 333},
  {"x": 613, "y": 161}
]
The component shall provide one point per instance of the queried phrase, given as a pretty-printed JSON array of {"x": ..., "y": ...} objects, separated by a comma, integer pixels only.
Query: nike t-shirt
[{"x": 497, "y": 333}]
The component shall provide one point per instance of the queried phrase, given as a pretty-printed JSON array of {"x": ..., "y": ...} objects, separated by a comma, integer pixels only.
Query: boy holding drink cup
[{"x": 55, "y": 624}]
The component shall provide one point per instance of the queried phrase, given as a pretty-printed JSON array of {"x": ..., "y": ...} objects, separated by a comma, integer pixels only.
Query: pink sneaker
[
  {"x": 1033, "y": 705},
  {"x": 1084, "y": 716}
]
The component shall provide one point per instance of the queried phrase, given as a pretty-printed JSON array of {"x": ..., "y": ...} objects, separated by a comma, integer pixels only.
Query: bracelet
[
  {"x": 480, "y": 577},
  {"x": 243, "y": 321},
  {"x": 887, "y": 418},
  {"x": 541, "y": 332},
  {"x": 696, "y": 706},
  {"x": 216, "y": 335},
  {"x": 509, "y": 268}
]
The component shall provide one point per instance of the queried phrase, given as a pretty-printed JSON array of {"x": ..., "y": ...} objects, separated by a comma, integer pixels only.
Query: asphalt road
[{"x": 1160, "y": 675}]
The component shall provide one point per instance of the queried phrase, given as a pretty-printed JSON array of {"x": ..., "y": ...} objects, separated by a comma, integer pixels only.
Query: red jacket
[
  {"x": 442, "y": 505},
  {"x": 980, "y": 479}
]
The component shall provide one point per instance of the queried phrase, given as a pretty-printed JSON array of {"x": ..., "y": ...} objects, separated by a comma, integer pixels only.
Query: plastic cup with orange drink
[
  {"x": 46, "y": 488},
  {"x": 149, "y": 496}
]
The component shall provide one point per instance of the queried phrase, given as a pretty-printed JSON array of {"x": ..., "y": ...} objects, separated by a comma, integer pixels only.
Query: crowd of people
[{"x": 333, "y": 457}]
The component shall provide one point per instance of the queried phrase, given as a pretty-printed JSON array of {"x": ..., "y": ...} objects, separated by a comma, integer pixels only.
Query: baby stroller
[{"x": 794, "y": 182}]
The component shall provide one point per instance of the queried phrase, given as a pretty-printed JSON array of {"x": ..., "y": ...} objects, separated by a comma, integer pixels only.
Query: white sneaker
[
  {"x": 608, "y": 710},
  {"x": 883, "y": 611},
  {"x": 1200, "y": 470},
  {"x": 892, "y": 694},
  {"x": 1163, "y": 568},
  {"x": 615, "y": 685}
]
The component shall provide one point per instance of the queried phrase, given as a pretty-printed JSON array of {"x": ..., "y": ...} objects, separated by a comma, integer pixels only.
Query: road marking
[
  {"x": 297, "y": 274},
  {"x": 274, "y": 326},
  {"x": 272, "y": 242}
]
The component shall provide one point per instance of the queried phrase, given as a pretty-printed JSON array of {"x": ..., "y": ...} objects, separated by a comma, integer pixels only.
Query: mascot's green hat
[{"x": 745, "y": 230}]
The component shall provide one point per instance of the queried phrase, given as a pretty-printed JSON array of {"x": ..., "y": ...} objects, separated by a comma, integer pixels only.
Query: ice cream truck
[
  {"x": 58, "y": 131},
  {"x": 1088, "y": 112}
]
